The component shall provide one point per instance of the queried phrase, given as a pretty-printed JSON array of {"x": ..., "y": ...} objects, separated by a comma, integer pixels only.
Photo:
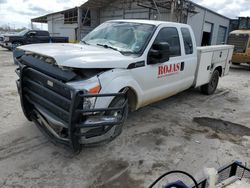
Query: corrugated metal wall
[
  {"x": 129, "y": 9},
  {"x": 56, "y": 27},
  {"x": 198, "y": 23}
]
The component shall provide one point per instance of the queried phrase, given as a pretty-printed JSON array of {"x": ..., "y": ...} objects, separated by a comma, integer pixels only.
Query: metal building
[{"x": 209, "y": 27}]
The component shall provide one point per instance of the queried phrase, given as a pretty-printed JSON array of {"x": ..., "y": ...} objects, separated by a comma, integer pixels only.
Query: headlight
[
  {"x": 6, "y": 39},
  {"x": 92, "y": 86}
]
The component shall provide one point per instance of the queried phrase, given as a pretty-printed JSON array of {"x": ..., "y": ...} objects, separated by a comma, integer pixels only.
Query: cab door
[
  {"x": 189, "y": 56},
  {"x": 31, "y": 37},
  {"x": 165, "y": 78},
  {"x": 43, "y": 36}
]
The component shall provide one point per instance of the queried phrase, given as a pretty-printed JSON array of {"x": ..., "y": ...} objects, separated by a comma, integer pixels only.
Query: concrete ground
[{"x": 188, "y": 132}]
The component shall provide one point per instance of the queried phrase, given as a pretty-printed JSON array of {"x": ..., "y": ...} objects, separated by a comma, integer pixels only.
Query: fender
[
  {"x": 115, "y": 86},
  {"x": 216, "y": 66}
]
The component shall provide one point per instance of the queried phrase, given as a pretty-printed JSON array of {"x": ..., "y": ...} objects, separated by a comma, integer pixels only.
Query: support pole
[
  {"x": 31, "y": 25},
  {"x": 172, "y": 10},
  {"x": 158, "y": 11},
  {"x": 79, "y": 23}
]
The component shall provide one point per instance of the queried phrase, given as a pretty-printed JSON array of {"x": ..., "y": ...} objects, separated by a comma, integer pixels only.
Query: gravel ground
[{"x": 188, "y": 132}]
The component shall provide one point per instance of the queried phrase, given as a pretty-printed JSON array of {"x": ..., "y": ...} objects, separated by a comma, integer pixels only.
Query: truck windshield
[
  {"x": 22, "y": 33},
  {"x": 121, "y": 36}
]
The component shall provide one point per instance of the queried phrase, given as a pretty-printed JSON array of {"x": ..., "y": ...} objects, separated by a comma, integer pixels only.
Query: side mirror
[{"x": 159, "y": 53}]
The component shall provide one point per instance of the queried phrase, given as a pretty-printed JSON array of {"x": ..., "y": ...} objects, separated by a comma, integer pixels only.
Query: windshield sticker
[{"x": 165, "y": 70}]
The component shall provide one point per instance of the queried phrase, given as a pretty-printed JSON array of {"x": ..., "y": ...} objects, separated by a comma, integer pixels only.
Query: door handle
[{"x": 182, "y": 66}]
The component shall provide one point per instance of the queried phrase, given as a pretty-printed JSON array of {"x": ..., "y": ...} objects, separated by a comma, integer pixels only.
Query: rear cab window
[
  {"x": 187, "y": 40},
  {"x": 171, "y": 36},
  {"x": 42, "y": 33}
]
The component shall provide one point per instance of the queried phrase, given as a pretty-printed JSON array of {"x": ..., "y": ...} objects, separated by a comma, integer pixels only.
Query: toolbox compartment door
[
  {"x": 228, "y": 61},
  {"x": 220, "y": 55},
  {"x": 203, "y": 69},
  {"x": 210, "y": 57}
]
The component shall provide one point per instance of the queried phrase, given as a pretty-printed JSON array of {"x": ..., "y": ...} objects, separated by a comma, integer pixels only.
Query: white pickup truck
[{"x": 81, "y": 93}]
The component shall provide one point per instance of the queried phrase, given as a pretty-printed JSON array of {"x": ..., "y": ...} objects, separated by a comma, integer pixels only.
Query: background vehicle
[
  {"x": 240, "y": 39},
  {"x": 83, "y": 96},
  {"x": 1, "y": 40},
  {"x": 31, "y": 37}
]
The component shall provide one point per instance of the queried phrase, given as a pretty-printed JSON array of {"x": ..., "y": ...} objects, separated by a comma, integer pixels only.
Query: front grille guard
[{"x": 75, "y": 112}]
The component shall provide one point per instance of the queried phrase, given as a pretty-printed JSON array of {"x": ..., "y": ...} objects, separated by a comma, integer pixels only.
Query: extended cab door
[
  {"x": 43, "y": 36},
  {"x": 189, "y": 55},
  {"x": 166, "y": 78},
  {"x": 31, "y": 37},
  {"x": 37, "y": 37}
]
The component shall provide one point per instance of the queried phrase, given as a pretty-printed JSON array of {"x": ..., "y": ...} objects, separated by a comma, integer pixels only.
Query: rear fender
[{"x": 218, "y": 66}]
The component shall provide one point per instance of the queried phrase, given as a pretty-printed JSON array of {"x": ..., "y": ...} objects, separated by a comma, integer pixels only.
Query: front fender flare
[{"x": 115, "y": 86}]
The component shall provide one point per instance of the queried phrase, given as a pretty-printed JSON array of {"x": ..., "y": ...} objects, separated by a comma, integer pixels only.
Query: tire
[
  {"x": 211, "y": 87},
  {"x": 236, "y": 63},
  {"x": 116, "y": 129},
  {"x": 117, "y": 102}
]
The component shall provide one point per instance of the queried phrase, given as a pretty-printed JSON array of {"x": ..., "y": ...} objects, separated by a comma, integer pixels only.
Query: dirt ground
[{"x": 188, "y": 132}]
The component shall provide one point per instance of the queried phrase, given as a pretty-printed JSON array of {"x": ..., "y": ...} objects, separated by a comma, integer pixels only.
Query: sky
[
  {"x": 17, "y": 13},
  {"x": 229, "y": 8}
]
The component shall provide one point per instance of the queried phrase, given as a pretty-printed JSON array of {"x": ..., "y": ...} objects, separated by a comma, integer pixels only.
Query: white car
[{"x": 81, "y": 93}]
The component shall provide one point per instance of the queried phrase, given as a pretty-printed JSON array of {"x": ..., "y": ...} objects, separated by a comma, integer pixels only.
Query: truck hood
[
  {"x": 80, "y": 55},
  {"x": 13, "y": 37}
]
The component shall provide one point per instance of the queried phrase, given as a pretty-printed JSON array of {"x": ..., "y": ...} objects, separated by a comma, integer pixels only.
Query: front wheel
[
  {"x": 117, "y": 102},
  {"x": 210, "y": 88}
]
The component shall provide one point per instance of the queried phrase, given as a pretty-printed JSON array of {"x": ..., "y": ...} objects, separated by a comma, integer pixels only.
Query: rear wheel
[
  {"x": 236, "y": 63},
  {"x": 210, "y": 88}
]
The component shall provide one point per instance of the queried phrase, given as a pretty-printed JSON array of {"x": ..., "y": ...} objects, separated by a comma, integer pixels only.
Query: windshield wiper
[
  {"x": 110, "y": 47},
  {"x": 84, "y": 42},
  {"x": 107, "y": 46}
]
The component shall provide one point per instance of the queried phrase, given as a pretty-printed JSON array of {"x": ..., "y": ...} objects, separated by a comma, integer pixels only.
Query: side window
[
  {"x": 42, "y": 33},
  {"x": 187, "y": 39},
  {"x": 32, "y": 33},
  {"x": 171, "y": 36},
  {"x": 39, "y": 33}
]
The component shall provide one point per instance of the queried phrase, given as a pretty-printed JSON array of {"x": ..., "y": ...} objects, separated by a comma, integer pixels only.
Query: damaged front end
[{"x": 65, "y": 112}]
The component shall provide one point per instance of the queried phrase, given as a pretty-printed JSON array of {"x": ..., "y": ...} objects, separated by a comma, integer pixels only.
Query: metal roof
[
  {"x": 92, "y": 4},
  {"x": 43, "y": 19},
  {"x": 97, "y": 3}
]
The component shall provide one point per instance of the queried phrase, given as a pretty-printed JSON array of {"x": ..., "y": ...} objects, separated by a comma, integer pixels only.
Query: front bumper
[{"x": 54, "y": 106}]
